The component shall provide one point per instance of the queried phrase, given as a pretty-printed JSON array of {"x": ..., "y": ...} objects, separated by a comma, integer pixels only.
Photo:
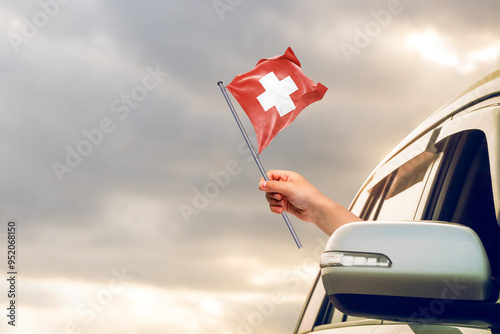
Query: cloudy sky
[{"x": 136, "y": 203}]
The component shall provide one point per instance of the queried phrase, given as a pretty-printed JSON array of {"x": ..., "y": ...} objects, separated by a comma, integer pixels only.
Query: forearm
[{"x": 329, "y": 215}]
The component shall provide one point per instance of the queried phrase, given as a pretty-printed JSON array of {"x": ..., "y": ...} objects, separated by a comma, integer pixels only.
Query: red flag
[{"x": 274, "y": 93}]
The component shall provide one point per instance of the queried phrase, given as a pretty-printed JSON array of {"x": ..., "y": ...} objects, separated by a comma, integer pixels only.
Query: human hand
[{"x": 290, "y": 192}]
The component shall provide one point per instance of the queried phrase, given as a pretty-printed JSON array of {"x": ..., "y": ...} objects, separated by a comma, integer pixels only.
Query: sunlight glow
[
  {"x": 211, "y": 306},
  {"x": 433, "y": 47}
]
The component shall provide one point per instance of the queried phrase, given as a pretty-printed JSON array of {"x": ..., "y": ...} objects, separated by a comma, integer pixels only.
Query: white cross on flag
[
  {"x": 277, "y": 93},
  {"x": 274, "y": 93}
]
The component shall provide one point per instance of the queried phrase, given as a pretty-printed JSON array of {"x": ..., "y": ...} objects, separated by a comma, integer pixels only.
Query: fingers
[
  {"x": 275, "y": 187},
  {"x": 274, "y": 198},
  {"x": 275, "y": 190},
  {"x": 279, "y": 175},
  {"x": 276, "y": 209},
  {"x": 275, "y": 202},
  {"x": 281, "y": 186}
]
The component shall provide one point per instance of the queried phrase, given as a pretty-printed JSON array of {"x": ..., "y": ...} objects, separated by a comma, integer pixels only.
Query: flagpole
[{"x": 256, "y": 158}]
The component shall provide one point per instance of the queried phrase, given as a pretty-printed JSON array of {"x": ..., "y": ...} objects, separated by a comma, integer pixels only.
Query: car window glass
[
  {"x": 463, "y": 192},
  {"x": 374, "y": 198},
  {"x": 403, "y": 193}
]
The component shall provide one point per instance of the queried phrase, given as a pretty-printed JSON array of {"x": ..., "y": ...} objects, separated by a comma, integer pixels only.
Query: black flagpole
[{"x": 256, "y": 158}]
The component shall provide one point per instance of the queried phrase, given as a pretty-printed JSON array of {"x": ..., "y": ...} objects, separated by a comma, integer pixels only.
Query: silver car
[{"x": 426, "y": 258}]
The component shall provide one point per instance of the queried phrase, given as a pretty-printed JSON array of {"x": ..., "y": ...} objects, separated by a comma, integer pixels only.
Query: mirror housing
[{"x": 431, "y": 272}]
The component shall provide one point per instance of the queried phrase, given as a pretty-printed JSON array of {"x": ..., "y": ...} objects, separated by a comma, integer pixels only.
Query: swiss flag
[{"x": 274, "y": 93}]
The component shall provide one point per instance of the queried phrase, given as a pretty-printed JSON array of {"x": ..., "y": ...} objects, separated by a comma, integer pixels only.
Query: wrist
[
  {"x": 330, "y": 215},
  {"x": 324, "y": 213}
]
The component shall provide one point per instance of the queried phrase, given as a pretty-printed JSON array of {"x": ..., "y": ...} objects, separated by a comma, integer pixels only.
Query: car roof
[{"x": 482, "y": 90}]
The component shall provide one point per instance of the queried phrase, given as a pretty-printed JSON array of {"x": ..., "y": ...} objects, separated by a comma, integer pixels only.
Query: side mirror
[{"x": 430, "y": 272}]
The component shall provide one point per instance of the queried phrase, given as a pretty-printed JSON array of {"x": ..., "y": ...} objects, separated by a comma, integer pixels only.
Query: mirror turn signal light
[{"x": 352, "y": 259}]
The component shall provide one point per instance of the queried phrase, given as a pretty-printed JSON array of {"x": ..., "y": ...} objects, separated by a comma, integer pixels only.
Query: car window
[
  {"x": 462, "y": 191},
  {"x": 397, "y": 196},
  {"x": 394, "y": 189},
  {"x": 403, "y": 195}
]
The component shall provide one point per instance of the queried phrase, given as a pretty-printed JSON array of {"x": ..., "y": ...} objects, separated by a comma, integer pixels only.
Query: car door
[
  {"x": 465, "y": 188},
  {"x": 449, "y": 174},
  {"x": 394, "y": 192}
]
